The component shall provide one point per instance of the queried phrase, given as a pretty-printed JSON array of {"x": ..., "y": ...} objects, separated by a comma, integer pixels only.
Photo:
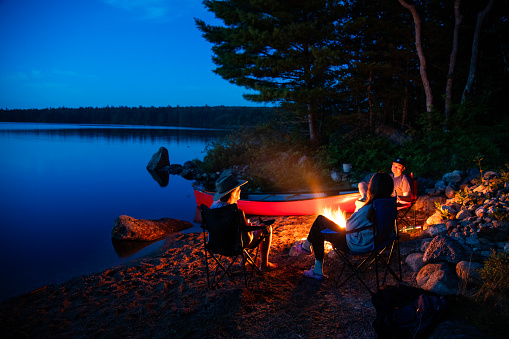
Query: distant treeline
[{"x": 205, "y": 116}]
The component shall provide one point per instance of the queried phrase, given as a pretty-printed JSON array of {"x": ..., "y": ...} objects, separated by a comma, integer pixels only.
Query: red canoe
[{"x": 286, "y": 204}]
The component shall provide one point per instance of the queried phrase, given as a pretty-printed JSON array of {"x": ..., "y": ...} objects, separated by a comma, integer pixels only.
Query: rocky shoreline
[
  {"x": 464, "y": 219},
  {"x": 467, "y": 222},
  {"x": 471, "y": 226}
]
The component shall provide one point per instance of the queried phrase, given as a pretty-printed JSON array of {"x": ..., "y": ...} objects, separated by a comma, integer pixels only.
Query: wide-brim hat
[
  {"x": 401, "y": 161},
  {"x": 226, "y": 184}
]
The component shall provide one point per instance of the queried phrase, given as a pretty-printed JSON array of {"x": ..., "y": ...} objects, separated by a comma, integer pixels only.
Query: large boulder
[
  {"x": 446, "y": 249},
  {"x": 426, "y": 204},
  {"x": 452, "y": 178},
  {"x": 450, "y": 192},
  {"x": 129, "y": 228},
  {"x": 463, "y": 214},
  {"x": 414, "y": 261},
  {"x": 437, "y": 229},
  {"x": 425, "y": 244},
  {"x": 436, "y": 218},
  {"x": 469, "y": 272},
  {"x": 439, "y": 278},
  {"x": 159, "y": 160}
]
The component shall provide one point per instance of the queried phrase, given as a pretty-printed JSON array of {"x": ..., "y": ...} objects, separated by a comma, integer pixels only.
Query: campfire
[{"x": 338, "y": 216}]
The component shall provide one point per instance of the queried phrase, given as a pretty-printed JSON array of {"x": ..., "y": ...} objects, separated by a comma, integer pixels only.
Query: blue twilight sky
[{"x": 94, "y": 53}]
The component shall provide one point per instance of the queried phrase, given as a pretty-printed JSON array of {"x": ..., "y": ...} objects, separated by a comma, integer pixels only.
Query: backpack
[{"x": 407, "y": 312}]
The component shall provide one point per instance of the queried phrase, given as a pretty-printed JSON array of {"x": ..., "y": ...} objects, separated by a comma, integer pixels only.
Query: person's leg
[
  {"x": 264, "y": 249},
  {"x": 317, "y": 238},
  {"x": 338, "y": 240}
]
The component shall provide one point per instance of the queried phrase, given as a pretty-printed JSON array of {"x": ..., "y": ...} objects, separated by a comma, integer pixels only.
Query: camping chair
[
  {"x": 222, "y": 229},
  {"x": 386, "y": 240},
  {"x": 405, "y": 207}
]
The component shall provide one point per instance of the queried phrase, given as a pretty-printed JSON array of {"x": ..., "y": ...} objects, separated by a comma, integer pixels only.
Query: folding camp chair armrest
[
  {"x": 405, "y": 199},
  {"x": 266, "y": 222},
  {"x": 252, "y": 228},
  {"x": 360, "y": 229},
  {"x": 404, "y": 204}
]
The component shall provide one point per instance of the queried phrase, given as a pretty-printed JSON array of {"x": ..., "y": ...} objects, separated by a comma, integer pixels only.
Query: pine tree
[{"x": 286, "y": 50}]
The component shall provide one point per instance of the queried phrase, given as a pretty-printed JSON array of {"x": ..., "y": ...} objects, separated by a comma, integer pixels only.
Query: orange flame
[{"x": 338, "y": 216}]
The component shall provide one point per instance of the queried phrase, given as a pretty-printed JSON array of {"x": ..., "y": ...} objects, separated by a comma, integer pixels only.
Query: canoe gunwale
[
  {"x": 293, "y": 196},
  {"x": 304, "y": 206}
]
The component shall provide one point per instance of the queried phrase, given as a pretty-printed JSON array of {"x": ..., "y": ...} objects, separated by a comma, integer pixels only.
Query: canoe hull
[{"x": 310, "y": 206}]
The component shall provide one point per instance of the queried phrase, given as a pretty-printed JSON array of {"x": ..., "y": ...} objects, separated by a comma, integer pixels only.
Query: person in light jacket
[{"x": 381, "y": 186}]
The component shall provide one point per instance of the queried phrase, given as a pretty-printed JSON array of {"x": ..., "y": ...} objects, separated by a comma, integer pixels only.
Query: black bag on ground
[{"x": 407, "y": 312}]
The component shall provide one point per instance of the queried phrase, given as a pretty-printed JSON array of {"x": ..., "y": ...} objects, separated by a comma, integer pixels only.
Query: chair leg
[
  {"x": 225, "y": 270},
  {"x": 374, "y": 259},
  {"x": 251, "y": 259},
  {"x": 402, "y": 218},
  {"x": 222, "y": 269},
  {"x": 212, "y": 282},
  {"x": 376, "y": 273},
  {"x": 399, "y": 260},
  {"x": 207, "y": 270},
  {"x": 387, "y": 264},
  {"x": 355, "y": 270},
  {"x": 248, "y": 259},
  {"x": 244, "y": 273}
]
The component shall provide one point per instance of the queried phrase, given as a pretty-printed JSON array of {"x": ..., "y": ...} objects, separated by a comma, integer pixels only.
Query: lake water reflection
[{"x": 62, "y": 186}]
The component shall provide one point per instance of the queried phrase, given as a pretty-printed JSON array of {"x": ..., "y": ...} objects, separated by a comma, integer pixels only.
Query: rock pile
[
  {"x": 160, "y": 169},
  {"x": 464, "y": 231}
]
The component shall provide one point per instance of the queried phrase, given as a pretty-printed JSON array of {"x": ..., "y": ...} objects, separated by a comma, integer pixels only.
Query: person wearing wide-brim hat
[
  {"x": 228, "y": 192},
  {"x": 227, "y": 184}
]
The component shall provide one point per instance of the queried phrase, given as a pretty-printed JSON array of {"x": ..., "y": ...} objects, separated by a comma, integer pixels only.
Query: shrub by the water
[
  {"x": 494, "y": 292},
  {"x": 266, "y": 157},
  {"x": 274, "y": 156},
  {"x": 495, "y": 275}
]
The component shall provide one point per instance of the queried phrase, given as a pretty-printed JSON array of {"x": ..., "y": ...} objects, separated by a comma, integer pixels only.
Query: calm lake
[{"x": 62, "y": 187}]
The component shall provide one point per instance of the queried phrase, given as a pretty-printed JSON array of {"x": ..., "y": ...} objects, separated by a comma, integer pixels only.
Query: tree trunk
[
  {"x": 420, "y": 53},
  {"x": 370, "y": 102},
  {"x": 313, "y": 135},
  {"x": 405, "y": 107},
  {"x": 452, "y": 63},
  {"x": 475, "y": 51}
]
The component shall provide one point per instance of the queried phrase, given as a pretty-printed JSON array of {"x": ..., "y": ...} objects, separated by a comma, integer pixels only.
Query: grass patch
[{"x": 481, "y": 314}]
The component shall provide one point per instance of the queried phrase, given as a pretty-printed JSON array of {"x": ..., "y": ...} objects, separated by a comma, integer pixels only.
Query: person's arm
[
  {"x": 406, "y": 188},
  {"x": 359, "y": 221},
  {"x": 244, "y": 222}
]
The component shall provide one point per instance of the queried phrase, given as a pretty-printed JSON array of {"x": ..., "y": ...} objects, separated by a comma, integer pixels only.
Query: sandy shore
[{"x": 165, "y": 295}]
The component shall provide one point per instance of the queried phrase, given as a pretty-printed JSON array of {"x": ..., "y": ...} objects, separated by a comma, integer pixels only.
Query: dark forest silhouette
[{"x": 204, "y": 116}]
